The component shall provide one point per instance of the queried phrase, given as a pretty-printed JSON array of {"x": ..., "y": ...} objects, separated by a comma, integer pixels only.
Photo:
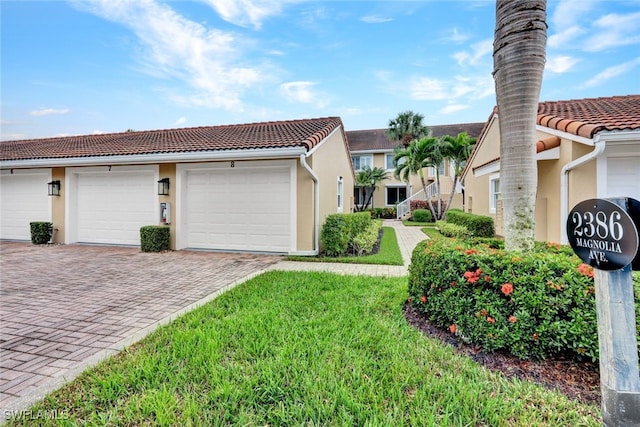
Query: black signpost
[{"x": 604, "y": 234}]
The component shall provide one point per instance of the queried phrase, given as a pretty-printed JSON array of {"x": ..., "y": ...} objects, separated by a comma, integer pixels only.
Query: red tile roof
[
  {"x": 305, "y": 133},
  {"x": 377, "y": 139},
  {"x": 586, "y": 117}
]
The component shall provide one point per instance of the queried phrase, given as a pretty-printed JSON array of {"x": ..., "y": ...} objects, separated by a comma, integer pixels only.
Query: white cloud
[
  {"x": 49, "y": 111},
  {"x": 247, "y": 12},
  {"x": 454, "y": 108},
  {"x": 175, "y": 47},
  {"x": 181, "y": 120},
  {"x": 478, "y": 52},
  {"x": 375, "y": 19},
  {"x": 456, "y": 36},
  {"x": 612, "y": 72},
  {"x": 614, "y": 30},
  {"x": 560, "y": 64},
  {"x": 460, "y": 87},
  {"x": 565, "y": 37},
  {"x": 569, "y": 12},
  {"x": 98, "y": 132},
  {"x": 303, "y": 92}
]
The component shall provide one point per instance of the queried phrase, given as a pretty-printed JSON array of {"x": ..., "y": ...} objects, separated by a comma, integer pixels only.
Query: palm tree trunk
[
  {"x": 519, "y": 58},
  {"x": 453, "y": 190},
  {"x": 424, "y": 188}
]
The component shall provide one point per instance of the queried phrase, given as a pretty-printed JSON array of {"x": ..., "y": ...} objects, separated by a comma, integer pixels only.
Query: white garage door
[
  {"x": 246, "y": 209},
  {"x": 111, "y": 207},
  {"x": 623, "y": 177},
  {"x": 23, "y": 198}
]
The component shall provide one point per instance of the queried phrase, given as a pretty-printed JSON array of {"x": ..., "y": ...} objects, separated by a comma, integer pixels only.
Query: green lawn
[
  {"x": 408, "y": 223},
  {"x": 389, "y": 253},
  {"x": 304, "y": 349}
]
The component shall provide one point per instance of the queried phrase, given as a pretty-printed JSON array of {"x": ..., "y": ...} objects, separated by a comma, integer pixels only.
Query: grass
[
  {"x": 303, "y": 349},
  {"x": 408, "y": 223},
  {"x": 389, "y": 253}
]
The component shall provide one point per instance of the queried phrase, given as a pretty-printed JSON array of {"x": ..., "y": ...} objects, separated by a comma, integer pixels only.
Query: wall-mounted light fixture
[
  {"x": 163, "y": 187},
  {"x": 54, "y": 188}
]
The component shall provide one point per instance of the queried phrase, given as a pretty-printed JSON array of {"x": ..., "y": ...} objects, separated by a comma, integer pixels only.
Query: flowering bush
[{"x": 532, "y": 305}]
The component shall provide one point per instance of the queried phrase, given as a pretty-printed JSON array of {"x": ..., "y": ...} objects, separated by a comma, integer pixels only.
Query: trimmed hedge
[
  {"x": 532, "y": 305},
  {"x": 422, "y": 215},
  {"x": 41, "y": 232},
  {"x": 364, "y": 242},
  {"x": 453, "y": 230},
  {"x": 339, "y": 230},
  {"x": 155, "y": 238},
  {"x": 386, "y": 213},
  {"x": 478, "y": 225}
]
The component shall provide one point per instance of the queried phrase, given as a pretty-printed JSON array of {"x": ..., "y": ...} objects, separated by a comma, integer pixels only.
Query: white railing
[{"x": 404, "y": 208}]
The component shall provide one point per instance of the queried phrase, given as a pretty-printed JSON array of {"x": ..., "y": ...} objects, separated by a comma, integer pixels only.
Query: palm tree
[
  {"x": 411, "y": 160},
  {"x": 407, "y": 127},
  {"x": 369, "y": 179},
  {"x": 457, "y": 150},
  {"x": 518, "y": 65}
]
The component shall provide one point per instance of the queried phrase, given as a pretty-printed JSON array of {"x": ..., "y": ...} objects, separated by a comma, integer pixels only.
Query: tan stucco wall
[
  {"x": 582, "y": 183},
  {"x": 57, "y": 206},
  {"x": 329, "y": 161},
  {"x": 168, "y": 170},
  {"x": 304, "y": 230}
]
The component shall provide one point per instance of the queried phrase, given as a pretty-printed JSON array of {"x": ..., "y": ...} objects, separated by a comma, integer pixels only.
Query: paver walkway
[
  {"x": 408, "y": 238},
  {"x": 65, "y": 308}
]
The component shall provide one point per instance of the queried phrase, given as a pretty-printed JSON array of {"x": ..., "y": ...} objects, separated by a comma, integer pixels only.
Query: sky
[{"x": 87, "y": 67}]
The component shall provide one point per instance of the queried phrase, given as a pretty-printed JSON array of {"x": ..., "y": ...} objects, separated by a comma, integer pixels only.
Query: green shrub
[
  {"x": 155, "y": 238},
  {"x": 422, "y": 215},
  {"x": 478, "y": 225},
  {"x": 41, "y": 232},
  {"x": 363, "y": 243},
  {"x": 453, "y": 230},
  {"x": 386, "y": 213},
  {"x": 339, "y": 231},
  {"x": 532, "y": 305}
]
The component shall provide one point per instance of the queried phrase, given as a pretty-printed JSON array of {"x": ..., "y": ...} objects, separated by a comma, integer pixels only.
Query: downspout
[
  {"x": 316, "y": 207},
  {"x": 564, "y": 182}
]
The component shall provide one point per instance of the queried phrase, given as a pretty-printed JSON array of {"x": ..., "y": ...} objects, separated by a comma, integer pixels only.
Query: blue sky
[{"x": 83, "y": 67}]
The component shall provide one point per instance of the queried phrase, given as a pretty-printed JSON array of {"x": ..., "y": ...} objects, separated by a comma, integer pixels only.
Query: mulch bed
[{"x": 579, "y": 381}]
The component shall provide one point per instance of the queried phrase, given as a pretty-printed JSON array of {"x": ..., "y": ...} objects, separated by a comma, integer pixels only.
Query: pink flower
[
  {"x": 423, "y": 299},
  {"x": 452, "y": 328},
  {"x": 507, "y": 289},
  {"x": 491, "y": 320},
  {"x": 513, "y": 319}
]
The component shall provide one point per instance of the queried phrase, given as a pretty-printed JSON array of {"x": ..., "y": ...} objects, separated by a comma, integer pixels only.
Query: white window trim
[
  {"x": 386, "y": 198},
  {"x": 361, "y": 156},
  {"x": 492, "y": 205}
]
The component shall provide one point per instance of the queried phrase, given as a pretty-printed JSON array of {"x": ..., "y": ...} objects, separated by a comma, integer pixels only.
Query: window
[
  {"x": 494, "y": 192},
  {"x": 359, "y": 162},
  {"x": 396, "y": 195},
  {"x": 340, "y": 194},
  {"x": 359, "y": 196},
  {"x": 388, "y": 160}
]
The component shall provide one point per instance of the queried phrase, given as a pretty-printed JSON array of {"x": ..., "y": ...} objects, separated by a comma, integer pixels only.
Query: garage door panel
[
  {"x": 112, "y": 207},
  {"x": 239, "y": 209},
  {"x": 24, "y": 199},
  {"x": 623, "y": 177}
]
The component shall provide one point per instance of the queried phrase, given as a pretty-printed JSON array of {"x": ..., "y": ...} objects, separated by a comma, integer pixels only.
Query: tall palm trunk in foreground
[{"x": 518, "y": 61}]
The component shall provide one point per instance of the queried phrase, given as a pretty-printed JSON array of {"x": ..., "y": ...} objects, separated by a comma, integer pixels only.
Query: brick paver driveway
[{"x": 63, "y": 308}]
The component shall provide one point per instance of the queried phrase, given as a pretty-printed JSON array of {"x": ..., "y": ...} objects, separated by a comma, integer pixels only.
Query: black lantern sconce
[
  {"x": 163, "y": 187},
  {"x": 54, "y": 188}
]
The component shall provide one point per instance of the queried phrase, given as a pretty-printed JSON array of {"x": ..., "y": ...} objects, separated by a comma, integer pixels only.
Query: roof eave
[{"x": 173, "y": 157}]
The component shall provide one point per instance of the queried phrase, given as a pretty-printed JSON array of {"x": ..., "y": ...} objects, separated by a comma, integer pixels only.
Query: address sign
[{"x": 602, "y": 234}]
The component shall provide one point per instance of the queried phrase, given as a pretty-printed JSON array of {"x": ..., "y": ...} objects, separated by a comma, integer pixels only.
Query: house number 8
[
  {"x": 590, "y": 225},
  {"x": 233, "y": 164}
]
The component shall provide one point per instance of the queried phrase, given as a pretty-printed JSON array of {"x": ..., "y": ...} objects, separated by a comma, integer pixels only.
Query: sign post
[{"x": 604, "y": 235}]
